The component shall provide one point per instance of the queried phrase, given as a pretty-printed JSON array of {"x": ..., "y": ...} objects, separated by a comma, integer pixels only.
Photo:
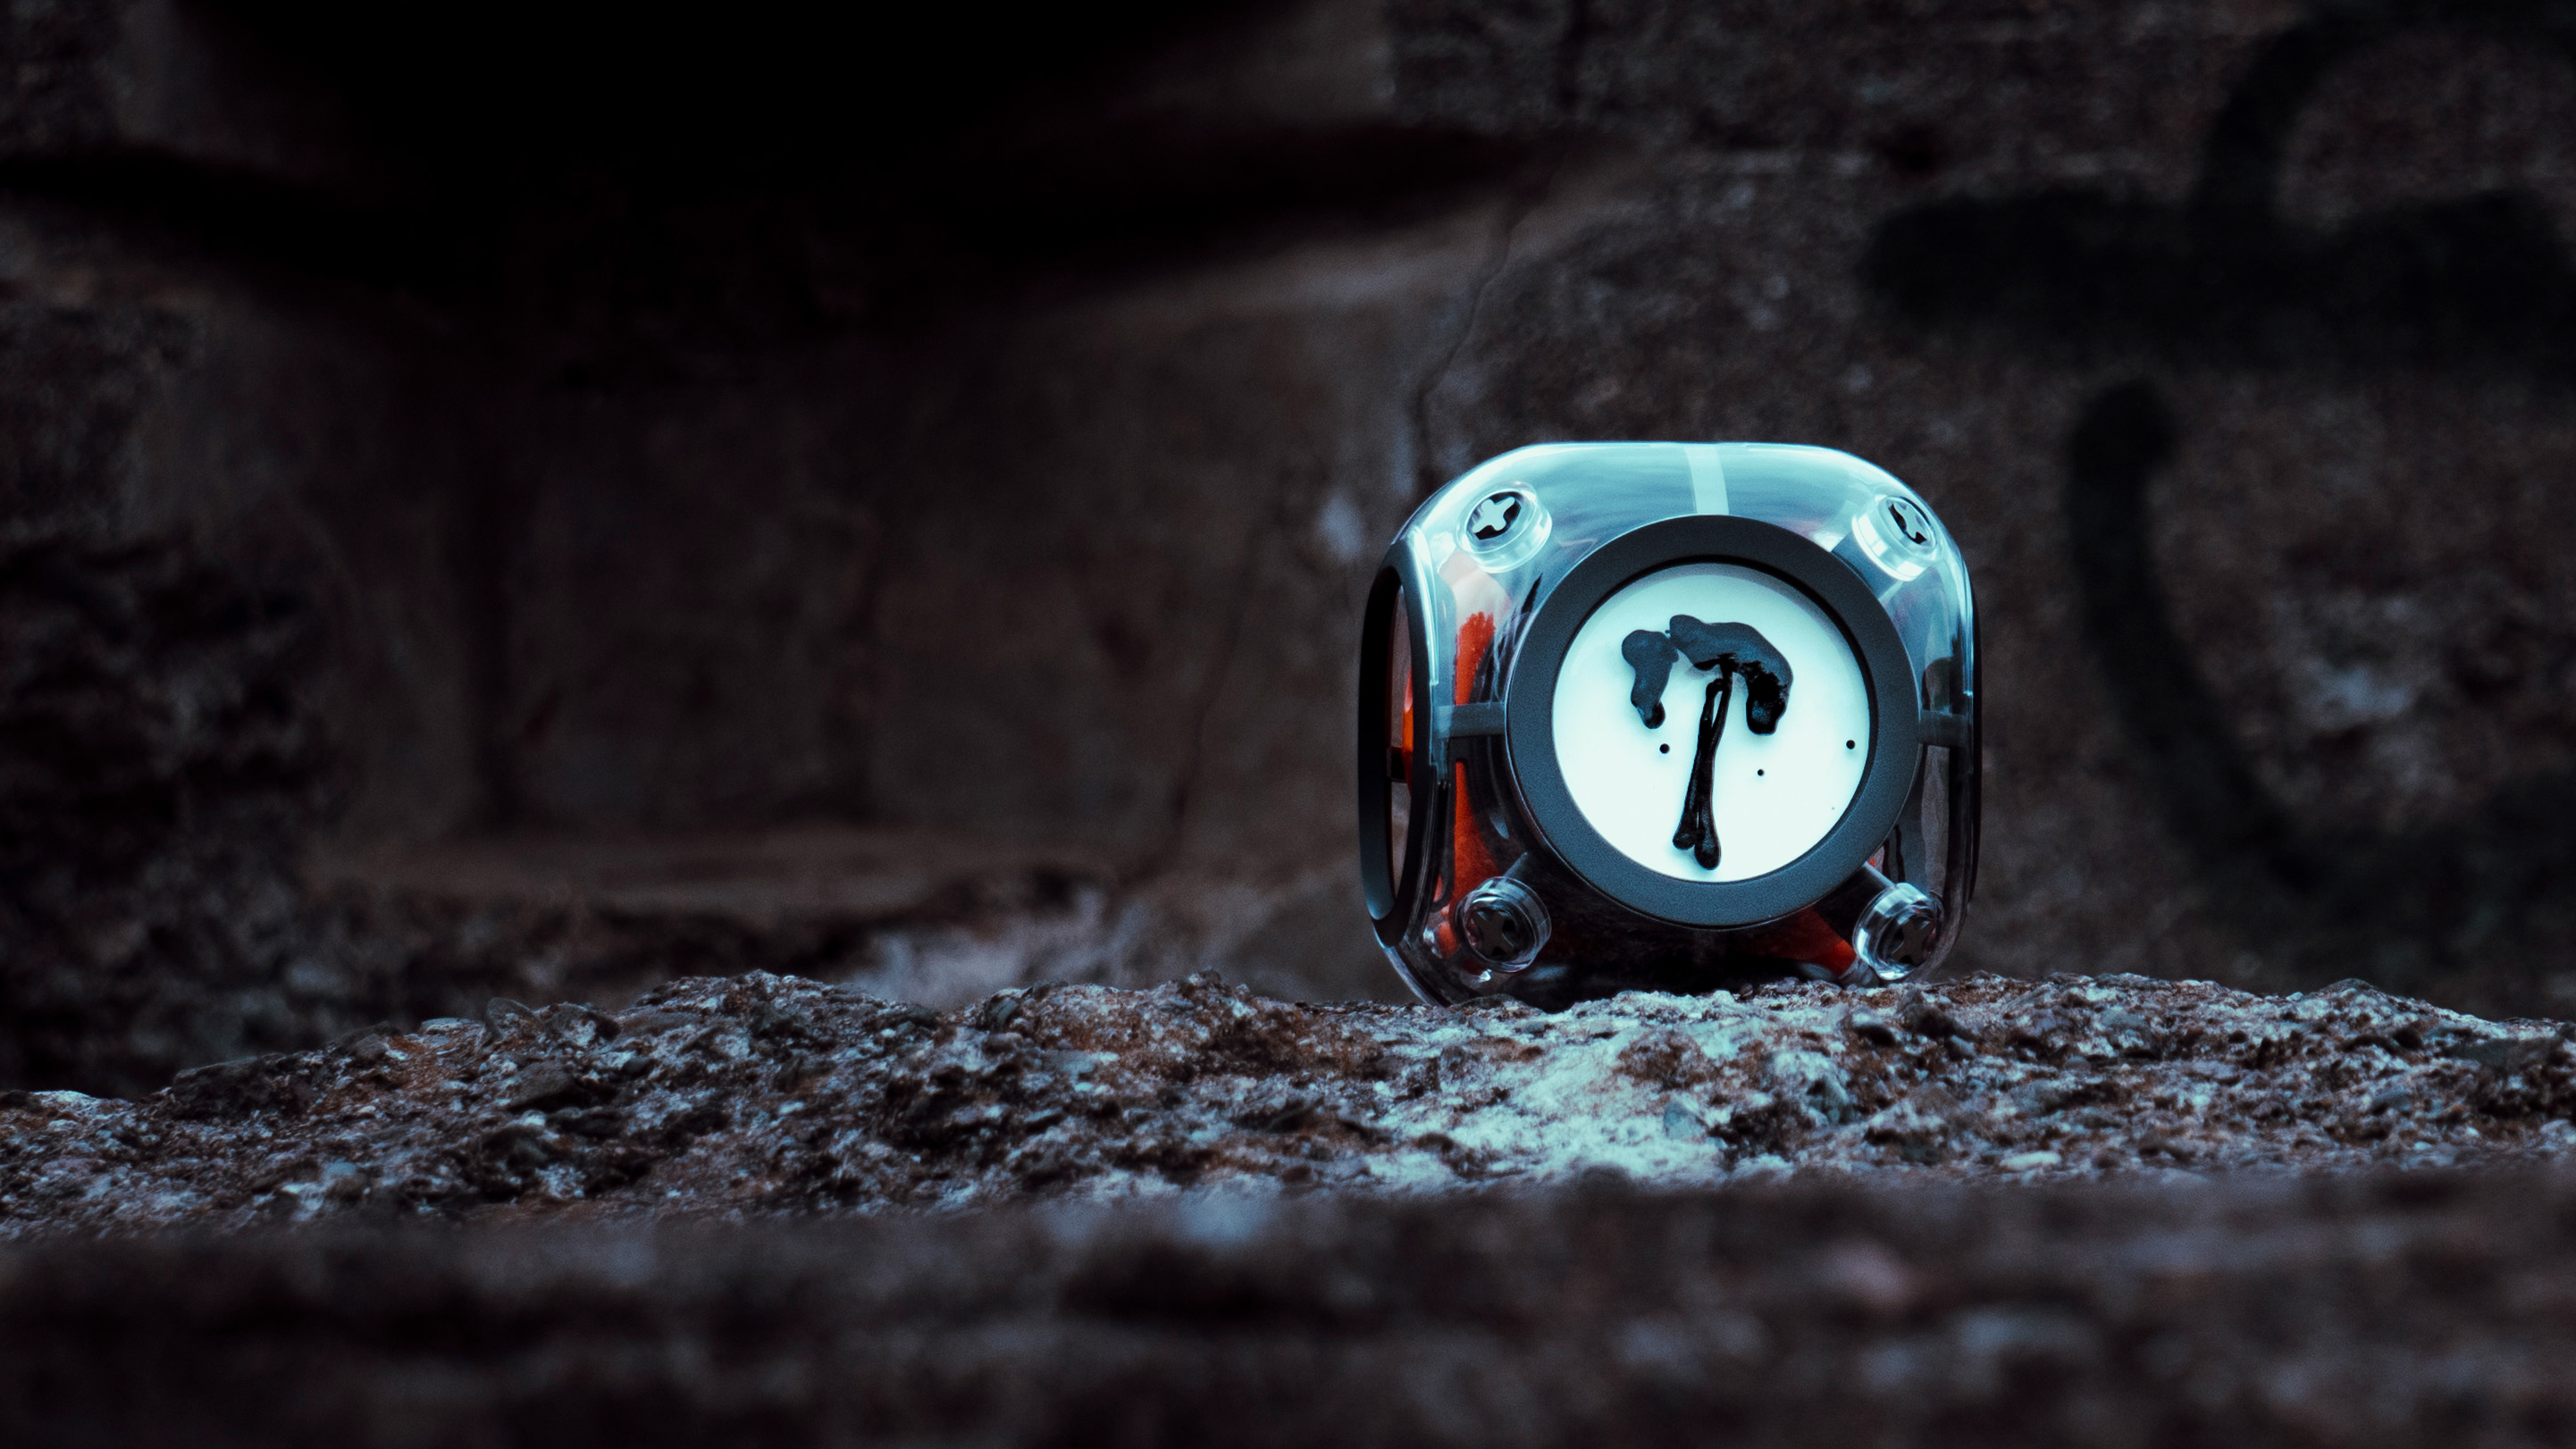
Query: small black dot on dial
[
  {"x": 1759, "y": 772},
  {"x": 1667, "y": 749},
  {"x": 1850, "y": 745}
]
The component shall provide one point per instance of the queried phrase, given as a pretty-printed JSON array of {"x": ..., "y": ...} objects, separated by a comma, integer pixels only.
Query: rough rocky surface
[
  {"x": 769, "y": 1095},
  {"x": 2427, "y": 1309},
  {"x": 762, "y": 1209}
]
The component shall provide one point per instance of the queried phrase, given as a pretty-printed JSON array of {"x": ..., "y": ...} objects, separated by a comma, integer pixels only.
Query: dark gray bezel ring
[{"x": 1895, "y": 750}]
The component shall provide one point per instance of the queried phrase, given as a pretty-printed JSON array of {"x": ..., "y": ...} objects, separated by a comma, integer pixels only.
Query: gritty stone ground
[
  {"x": 2368, "y": 1310},
  {"x": 772, "y": 1095}
]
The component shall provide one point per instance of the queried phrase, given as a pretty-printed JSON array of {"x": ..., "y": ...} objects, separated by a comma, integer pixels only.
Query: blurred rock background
[{"x": 539, "y": 502}]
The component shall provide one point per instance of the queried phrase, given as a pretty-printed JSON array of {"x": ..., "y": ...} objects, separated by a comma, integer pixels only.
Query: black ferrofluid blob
[
  {"x": 2477, "y": 284},
  {"x": 1728, "y": 649},
  {"x": 1650, "y": 660},
  {"x": 1737, "y": 648},
  {"x": 1697, "y": 832}
]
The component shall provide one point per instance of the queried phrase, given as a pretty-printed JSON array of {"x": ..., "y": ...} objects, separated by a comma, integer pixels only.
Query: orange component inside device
[
  {"x": 1471, "y": 863},
  {"x": 1806, "y": 936}
]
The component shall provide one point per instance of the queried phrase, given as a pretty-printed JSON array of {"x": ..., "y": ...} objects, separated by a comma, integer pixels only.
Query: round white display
[{"x": 1771, "y": 797}]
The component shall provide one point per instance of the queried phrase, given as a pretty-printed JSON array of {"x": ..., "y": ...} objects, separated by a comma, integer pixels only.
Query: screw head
[
  {"x": 1494, "y": 516},
  {"x": 1906, "y": 523},
  {"x": 1899, "y": 931},
  {"x": 1505, "y": 528},
  {"x": 1504, "y": 924},
  {"x": 1898, "y": 535}
]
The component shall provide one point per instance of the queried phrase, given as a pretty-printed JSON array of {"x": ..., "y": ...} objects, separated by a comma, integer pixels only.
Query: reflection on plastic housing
[{"x": 1473, "y": 890}]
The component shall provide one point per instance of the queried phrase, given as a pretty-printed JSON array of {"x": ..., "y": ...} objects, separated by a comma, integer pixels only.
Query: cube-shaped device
[{"x": 1667, "y": 716}]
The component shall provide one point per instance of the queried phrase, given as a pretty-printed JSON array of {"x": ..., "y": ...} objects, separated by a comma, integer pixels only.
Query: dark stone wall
[{"x": 983, "y": 425}]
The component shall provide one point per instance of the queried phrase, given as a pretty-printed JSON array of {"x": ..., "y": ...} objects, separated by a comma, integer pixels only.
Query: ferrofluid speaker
[{"x": 1668, "y": 716}]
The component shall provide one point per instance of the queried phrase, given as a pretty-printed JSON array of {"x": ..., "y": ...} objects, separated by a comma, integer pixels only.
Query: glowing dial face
[{"x": 1711, "y": 722}]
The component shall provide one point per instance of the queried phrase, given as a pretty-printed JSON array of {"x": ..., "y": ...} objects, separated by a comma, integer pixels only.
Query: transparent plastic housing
[{"x": 1444, "y": 810}]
